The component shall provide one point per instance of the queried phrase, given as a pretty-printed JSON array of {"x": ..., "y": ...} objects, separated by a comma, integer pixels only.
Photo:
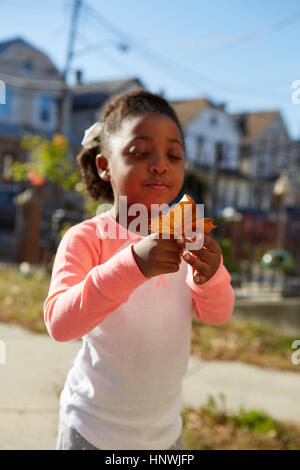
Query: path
[{"x": 36, "y": 368}]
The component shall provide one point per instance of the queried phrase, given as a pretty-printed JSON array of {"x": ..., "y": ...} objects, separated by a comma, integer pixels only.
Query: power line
[
  {"x": 252, "y": 35},
  {"x": 58, "y": 28},
  {"x": 191, "y": 76},
  {"x": 167, "y": 63}
]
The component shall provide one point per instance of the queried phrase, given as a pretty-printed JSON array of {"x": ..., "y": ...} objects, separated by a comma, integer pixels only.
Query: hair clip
[{"x": 91, "y": 137}]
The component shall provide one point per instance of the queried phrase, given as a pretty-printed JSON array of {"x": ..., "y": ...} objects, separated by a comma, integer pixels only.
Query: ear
[
  {"x": 101, "y": 162},
  {"x": 102, "y": 167}
]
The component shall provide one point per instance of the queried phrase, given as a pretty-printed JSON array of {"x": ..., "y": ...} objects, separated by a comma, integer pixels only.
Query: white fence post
[
  {"x": 2, "y": 353},
  {"x": 2, "y": 92}
]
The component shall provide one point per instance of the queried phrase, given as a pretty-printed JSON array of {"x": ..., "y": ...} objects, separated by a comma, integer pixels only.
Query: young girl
[{"x": 124, "y": 388}]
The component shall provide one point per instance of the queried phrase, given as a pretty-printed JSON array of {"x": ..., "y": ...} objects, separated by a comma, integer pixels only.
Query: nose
[{"x": 158, "y": 163}]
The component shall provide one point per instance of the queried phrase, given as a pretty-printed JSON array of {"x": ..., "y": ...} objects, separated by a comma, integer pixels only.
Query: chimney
[
  {"x": 222, "y": 106},
  {"x": 78, "y": 77}
]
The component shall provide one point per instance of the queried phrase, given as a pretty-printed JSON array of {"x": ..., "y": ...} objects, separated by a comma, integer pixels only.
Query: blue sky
[{"x": 245, "y": 54}]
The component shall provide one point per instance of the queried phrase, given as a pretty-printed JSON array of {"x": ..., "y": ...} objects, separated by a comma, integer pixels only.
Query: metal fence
[
  {"x": 246, "y": 240},
  {"x": 8, "y": 213}
]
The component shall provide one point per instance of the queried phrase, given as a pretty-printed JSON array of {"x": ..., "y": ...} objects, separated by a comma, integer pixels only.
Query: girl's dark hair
[{"x": 118, "y": 108}]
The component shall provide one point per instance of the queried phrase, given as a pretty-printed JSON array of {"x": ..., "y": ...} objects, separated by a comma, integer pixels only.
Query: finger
[
  {"x": 181, "y": 244},
  {"x": 171, "y": 245},
  {"x": 169, "y": 267},
  {"x": 180, "y": 241},
  {"x": 205, "y": 255},
  {"x": 196, "y": 263},
  {"x": 211, "y": 244},
  {"x": 169, "y": 257},
  {"x": 199, "y": 278},
  {"x": 194, "y": 244}
]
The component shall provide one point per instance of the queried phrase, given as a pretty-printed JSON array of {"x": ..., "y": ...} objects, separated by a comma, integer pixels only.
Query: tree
[{"x": 48, "y": 159}]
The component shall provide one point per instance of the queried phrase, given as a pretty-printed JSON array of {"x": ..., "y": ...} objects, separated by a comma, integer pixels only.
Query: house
[
  {"x": 294, "y": 176},
  {"x": 88, "y": 100},
  {"x": 211, "y": 133},
  {"x": 33, "y": 90},
  {"x": 31, "y": 97},
  {"x": 266, "y": 149}
]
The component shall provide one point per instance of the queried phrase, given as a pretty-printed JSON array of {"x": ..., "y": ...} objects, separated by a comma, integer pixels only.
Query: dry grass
[
  {"x": 22, "y": 298},
  {"x": 212, "y": 427},
  {"x": 247, "y": 341}
]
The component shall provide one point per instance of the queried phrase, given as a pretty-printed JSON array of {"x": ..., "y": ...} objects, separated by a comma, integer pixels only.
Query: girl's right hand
[{"x": 156, "y": 256}]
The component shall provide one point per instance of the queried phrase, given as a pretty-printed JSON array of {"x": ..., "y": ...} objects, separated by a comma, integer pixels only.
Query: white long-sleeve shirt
[{"x": 124, "y": 390}]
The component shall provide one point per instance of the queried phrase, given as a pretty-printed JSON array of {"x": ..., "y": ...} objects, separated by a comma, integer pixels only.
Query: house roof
[
  {"x": 4, "y": 45},
  {"x": 253, "y": 125},
  {"x": 18, "y": 40},
  {"x": 94, "y": 94},
  {"x": 108, "y": 86},
  {"x": 187, "y": 110}
]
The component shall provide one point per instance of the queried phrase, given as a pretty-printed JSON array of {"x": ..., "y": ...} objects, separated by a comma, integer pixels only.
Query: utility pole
[
  {"x": 214, "y": 179},
  {"x": 64, "y": 114},
  {"x": 66, "y": 95}
]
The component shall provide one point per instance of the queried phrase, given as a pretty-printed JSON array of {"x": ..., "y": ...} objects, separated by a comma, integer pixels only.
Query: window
[
  {"x": 45, "y": 109},
  {"x": 226, "y": 161},
  {"x": 8, "y": 160},
  {"x": 219, "y": 149},
  {"x": 264, "y": 164},
  {"x": 28, "y": 65},
  {"x": 213, "y": 121},
  {"x": 281, "y": 161},
  {"x": 200, "y": 142}
]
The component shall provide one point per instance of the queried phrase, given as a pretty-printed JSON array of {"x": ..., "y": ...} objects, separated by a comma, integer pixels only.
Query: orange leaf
[
  {"x": 35, "y": 179},
  {"x": 180, "y": 220}
]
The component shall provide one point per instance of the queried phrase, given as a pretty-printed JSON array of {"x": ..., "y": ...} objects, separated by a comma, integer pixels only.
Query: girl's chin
[{"x": 163, "y": 196}]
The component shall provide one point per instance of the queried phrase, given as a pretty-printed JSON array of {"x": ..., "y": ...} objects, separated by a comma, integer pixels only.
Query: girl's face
[{"x": 148, "y": 147}]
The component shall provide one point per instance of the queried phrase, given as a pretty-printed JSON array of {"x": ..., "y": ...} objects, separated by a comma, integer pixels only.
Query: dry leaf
[{"x": 180, "y": 220}]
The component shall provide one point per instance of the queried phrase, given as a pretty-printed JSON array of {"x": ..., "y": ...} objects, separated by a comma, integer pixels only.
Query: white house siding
[
  {"x": 27, "y": 87},
  {"x": 223, "y": 131}
]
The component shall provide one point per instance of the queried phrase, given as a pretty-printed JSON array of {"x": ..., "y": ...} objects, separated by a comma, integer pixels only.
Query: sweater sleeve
[
  {"x": 82, "y": 292},
  {"x": 213, "y": 301}
]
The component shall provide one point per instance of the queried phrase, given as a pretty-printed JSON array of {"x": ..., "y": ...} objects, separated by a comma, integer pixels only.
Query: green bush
[
  {"x": 229, "y": 262},
  {"x": 253, "y": 420}
]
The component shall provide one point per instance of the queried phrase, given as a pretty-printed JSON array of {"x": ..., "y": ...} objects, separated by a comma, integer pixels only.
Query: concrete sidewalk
[{"x": 36, "y": 368}]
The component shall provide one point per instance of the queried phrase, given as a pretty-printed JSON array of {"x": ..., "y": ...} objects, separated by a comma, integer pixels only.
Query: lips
[{"x": 157, "y": 184}]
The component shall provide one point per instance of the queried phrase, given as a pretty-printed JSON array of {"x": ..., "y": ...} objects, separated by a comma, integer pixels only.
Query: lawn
[
  {"x": 213, "y": 427},
  {"x": 22, "y": 297},
  {"x": 246, "y": 341}
]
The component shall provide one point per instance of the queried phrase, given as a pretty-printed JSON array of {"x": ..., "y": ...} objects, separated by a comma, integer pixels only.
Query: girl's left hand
[{"x": 206, "y": 260}]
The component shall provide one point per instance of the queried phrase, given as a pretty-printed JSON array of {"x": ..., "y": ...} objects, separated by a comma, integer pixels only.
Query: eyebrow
[{"x": 146, "y": 137}]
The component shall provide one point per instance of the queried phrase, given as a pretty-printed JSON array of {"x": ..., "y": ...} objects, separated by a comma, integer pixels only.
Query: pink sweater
[
  {"x": 134, "y": 329},
  {"x": 89, "y": 272}
]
